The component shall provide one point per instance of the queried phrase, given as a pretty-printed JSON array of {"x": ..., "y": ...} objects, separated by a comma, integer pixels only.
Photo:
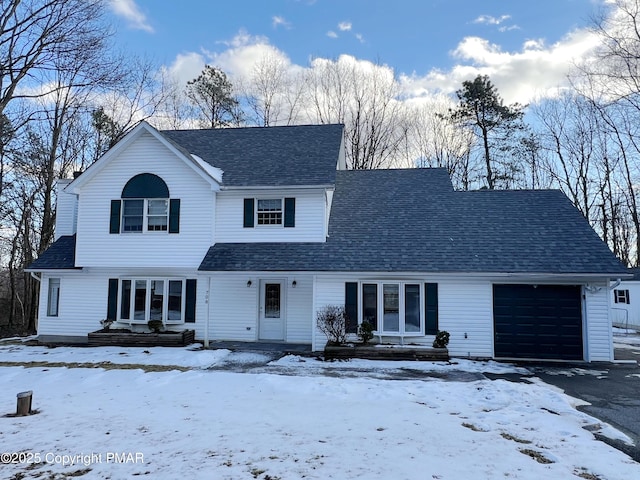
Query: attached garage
[{"x": 538, "y": 321}]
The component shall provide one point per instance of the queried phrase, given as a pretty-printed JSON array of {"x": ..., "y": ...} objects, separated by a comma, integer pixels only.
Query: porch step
[{"x": 385, "y": 352}]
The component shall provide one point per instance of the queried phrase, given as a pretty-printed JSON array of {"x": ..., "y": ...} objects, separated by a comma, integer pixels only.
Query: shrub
[
  {"x": 155, "y": 325},
  {"x": 331, "y": 321},
  {"x": 442, "y": 339},
  {"x": 365, "y": 332},
  {"x": 106, "y": 324}
]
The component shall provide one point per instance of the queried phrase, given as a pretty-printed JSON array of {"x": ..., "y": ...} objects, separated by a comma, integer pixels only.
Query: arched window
[{"x": 145, "y": 206}]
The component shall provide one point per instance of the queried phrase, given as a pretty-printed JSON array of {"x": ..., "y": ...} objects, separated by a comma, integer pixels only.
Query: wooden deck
[{"x": 386, "y": 352}]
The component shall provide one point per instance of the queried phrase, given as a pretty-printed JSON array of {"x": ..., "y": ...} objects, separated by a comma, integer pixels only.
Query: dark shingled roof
[
  {"x": 636, "y": 274},
  {"x": 61, "y": 255},
  {"x": 266, "y": 156},
  {"x": 413, "y": 221}
]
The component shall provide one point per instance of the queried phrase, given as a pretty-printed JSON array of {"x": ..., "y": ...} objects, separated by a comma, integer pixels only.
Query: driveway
[{"x": 612, "y": 390}]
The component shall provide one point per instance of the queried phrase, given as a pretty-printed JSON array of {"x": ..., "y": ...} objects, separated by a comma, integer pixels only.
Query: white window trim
[
  {"x": 165, "y": 300},
  {"x": 621, "y": 295},
  {"x": 269, "y": 225},
  {"x": 145, "y": 217},
  {"x": 401, "y": 307}
]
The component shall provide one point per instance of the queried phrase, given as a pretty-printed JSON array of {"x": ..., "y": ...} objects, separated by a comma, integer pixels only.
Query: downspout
[
  {"x": 206, "y": 325},
  {"x": 615, "y": 284},
  {"x": 34, "y": 275}
]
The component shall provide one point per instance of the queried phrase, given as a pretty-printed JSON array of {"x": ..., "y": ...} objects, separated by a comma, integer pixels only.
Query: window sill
[{"x": 398, "y": 334}]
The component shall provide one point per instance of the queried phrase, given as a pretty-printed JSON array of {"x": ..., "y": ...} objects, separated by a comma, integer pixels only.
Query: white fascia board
[
  {"x": 52, "y": 271},
  {"x": 279, "y": 187},
  {"x": 138, "y": 130},
  {"x": 513, "y": 277}
]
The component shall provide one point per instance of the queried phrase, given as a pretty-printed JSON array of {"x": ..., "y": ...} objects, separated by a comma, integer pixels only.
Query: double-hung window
[
  {"x": 145, "y": 206},
  {"x": 270, "y": 211},
  {"x": 621, "y": 296},
  {"x": 265, "y": 212},
  {"x": 151, "y": 215}
]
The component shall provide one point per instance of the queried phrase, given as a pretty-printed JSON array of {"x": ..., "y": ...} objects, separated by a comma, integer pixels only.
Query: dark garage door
[{"x": 538, "y": 321}]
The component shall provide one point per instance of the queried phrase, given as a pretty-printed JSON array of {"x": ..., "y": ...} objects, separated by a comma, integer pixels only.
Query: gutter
[{"x": 278, "y": 187}]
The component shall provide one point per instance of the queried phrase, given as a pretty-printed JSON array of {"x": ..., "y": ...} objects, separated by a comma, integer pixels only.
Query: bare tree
[
  {"x": 434, "y": 141},
  {"x": 568, "y": 134},
  {"x": 611, "y": 83},
  {"x": 273, "y": 92},
  {"x": 362, "y": 96},
  {"x": 37, "y": 36}
]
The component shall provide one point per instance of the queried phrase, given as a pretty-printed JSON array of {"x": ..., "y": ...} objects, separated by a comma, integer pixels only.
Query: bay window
[
  {"x": 152, "y": 299},
  {"x": 393, "y": 308}
]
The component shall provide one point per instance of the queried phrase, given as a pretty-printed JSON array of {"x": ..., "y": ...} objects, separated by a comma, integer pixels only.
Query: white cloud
[
  {"x": 344, "y": 26},
  {"x": 332, "y": 34},
  {"x": 490, "y": 20},
  {"x": 187, "y": 66},
  {"x": 244, "y": 52},
  {"x": 128, "y": 10},
  {"x": 279, "y": 21},
  {"x": 534, "y": 71},
  {"x": 360, "y": 37}
]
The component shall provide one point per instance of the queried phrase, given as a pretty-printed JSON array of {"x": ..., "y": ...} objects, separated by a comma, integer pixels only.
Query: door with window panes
[{"x": 271, "y": 310}]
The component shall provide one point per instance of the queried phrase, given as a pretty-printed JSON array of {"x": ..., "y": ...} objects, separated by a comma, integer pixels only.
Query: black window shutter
[
  {"x": 190, "y": 308},
  {"x": 431, "y": 308},
  {"x": 174, "y": 215},
  {"x": 351, "y": 306},
  {"x": 112, "y": 302},
  {"x": 289, "y": 212},
  {"x": 248, "y": 213},
  {"x": 114, "y": 221}
]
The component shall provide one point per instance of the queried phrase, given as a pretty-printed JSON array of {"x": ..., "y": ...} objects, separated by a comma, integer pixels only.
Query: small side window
[
  {"x": 621, "y": 296},
  {"x": 53, "y": 298}
]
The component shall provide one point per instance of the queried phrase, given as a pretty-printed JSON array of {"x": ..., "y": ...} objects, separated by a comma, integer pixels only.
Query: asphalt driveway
[{"x": 612, "y": 390}]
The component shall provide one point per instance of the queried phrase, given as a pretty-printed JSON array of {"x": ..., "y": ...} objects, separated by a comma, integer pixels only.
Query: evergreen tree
[
  {"x": 481, "y": 109},
  {"x": 211, "y": 94}
]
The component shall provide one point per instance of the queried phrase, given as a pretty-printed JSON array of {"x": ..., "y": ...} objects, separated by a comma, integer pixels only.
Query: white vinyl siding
[
  {"x": 309, "y": 217},
  {"x": 627, "y": 314},
  {"x": 234, "y": 308},
  {"x": 83, "y": 303},
  {"x": 97, "y": 248},
  {"x": 66, "y": 210},
  {"x": 599, "y": 336},
  {"x": 464, "y": 307},
  {"x": 466, "y": 311}
]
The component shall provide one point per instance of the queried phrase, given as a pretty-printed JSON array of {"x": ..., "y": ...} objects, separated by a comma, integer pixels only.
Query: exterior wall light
[
  {"x": 294, "y": 283},
  {"x": 249, "y": 284}
]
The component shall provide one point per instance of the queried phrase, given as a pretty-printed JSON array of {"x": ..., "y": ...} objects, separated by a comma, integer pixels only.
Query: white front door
[{"x": 272, "y": 310}]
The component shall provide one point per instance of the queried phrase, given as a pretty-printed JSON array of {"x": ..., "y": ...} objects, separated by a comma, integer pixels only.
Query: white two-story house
[{"x": 245, "y": 234}]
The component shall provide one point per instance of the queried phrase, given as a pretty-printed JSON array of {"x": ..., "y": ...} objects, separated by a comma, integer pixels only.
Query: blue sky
[{"x": 432, "y": 44}]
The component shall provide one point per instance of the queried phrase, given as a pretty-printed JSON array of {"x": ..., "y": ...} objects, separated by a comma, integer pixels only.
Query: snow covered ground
[
  {"x": 291, "y": 418},
  {"x": 626, "y": 338}
]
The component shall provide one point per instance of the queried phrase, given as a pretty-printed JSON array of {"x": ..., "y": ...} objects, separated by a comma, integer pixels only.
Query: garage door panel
[{"x": 543, "y": 321}]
